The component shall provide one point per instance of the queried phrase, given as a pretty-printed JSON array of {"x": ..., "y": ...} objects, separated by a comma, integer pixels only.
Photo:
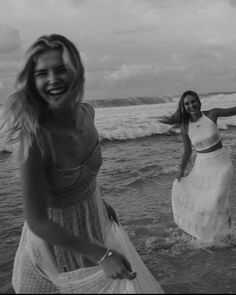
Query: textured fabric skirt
[
  {"x": 200, "y": 201},
  {"x": 35, "y": 271}
]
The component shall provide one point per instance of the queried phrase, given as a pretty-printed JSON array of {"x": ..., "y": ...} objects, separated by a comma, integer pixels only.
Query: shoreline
[{"x": 144, "y": 209}]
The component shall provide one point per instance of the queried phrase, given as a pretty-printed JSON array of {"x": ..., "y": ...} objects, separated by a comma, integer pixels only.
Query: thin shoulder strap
[
  {"x": 203, "y": 114},
  {"x": 51, "y": 147}
]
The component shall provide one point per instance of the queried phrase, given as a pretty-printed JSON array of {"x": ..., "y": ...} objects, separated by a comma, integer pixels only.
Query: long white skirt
[
  {"x": 200, "y": 201},
  {"x": 38, "y": 266}
]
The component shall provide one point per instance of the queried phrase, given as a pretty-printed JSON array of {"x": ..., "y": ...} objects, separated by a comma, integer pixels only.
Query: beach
[
  {"x": 140, "y": 162},
  {"x": 177, "y": 264}
]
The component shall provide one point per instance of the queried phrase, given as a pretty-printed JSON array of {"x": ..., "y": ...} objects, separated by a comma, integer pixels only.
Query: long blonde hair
[
  {"x": 180, "y": 116},
  {"x": 25, "y": 109}
]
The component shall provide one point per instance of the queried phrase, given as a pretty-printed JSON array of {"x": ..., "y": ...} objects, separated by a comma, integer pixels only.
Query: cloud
[
  {"x": 233, "y": 3},
  {"x": 137, "y": 29},
  {"x": 10, "y": 42},
  {"x": 10, "y": 51},
  {"x": 130, "y": 71},
  {"x": 130, "y": 42},
  {"x": 76, "y": 3}
]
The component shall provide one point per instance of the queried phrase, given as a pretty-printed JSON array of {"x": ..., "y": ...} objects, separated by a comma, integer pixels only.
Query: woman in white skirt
[
  {"x": 71, "y": 241},
  {"x": 200, "y": 200}
]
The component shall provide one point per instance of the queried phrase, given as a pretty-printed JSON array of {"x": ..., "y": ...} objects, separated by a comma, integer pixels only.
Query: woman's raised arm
[{"x": 225, "y": 112}]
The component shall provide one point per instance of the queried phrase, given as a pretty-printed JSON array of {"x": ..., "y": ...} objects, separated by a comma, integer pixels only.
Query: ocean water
[{"x": 140, "y": 158}]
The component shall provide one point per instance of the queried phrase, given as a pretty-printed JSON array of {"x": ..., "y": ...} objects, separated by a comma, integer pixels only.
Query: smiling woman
[
  {"x": 52, "y": 78},
  {"x": 200, "y": 200},
  {"x": 71, "y": 240}
]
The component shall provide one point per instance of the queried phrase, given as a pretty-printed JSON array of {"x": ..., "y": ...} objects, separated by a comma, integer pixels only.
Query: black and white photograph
[{"x": 117, "y": 147}]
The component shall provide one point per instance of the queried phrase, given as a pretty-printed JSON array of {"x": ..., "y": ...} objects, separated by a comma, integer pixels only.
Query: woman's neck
[
  {"x": 196, "y": 117},
  {"x": 64, "y": 116}
]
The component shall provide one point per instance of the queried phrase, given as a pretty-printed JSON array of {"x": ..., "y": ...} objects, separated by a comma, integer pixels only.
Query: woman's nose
[{"x": 51, "y": 77}]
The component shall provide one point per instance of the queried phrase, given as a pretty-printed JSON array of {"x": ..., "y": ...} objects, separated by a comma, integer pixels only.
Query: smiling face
[
  {"x": 192, "y": 105},
  {"x": 52, "y": 77}
]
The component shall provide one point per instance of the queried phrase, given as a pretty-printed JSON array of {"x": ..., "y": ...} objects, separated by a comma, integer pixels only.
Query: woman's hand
[
  {"x": 111, "y": 212},
  {"x": 116, "y": 266},
  {"x": 180, "y": 174}
]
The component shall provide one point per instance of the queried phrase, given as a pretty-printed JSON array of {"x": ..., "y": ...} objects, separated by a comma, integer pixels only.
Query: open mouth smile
[{"x": 55, "y": 92}]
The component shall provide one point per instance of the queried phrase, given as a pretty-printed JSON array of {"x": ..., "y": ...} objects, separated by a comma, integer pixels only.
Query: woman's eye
[
  {"x": 39, "y": 74},
  {"x": 61, "y": 71}
]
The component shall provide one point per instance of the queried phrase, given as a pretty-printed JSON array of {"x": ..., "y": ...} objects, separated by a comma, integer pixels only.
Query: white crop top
[{"x": 203, "y": 133}]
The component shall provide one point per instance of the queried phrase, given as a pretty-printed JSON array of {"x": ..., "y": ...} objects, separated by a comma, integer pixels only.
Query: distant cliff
[{"x": 130, "y": 101}]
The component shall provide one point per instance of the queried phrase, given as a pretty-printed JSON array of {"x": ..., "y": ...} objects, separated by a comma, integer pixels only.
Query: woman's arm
[
  {"x": 111, "y": 212},
  {"x": 186, "y": 154},
  {"x": 218, "y": 112}
]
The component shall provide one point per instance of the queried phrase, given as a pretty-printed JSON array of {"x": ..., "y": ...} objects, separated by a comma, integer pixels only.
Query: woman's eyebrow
[
  {"x": 40, "y": 71},
  {"x": 62, "y": 66}
]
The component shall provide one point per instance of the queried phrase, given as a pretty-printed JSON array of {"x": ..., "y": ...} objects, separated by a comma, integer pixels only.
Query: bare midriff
[{"x": 213, "y": 148}]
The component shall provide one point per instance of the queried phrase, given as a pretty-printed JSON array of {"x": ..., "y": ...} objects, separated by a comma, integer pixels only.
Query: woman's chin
[{"x": 195, "y": 113}]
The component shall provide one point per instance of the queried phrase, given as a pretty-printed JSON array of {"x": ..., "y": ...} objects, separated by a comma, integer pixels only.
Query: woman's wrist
[
  {"x": 107, "y": 254},
  {"x": 100, "y": 253},
  {"x": 181, "y": 171}
]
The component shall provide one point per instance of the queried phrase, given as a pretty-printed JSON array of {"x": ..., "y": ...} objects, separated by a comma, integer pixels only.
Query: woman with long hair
[
  {"x": 71, "y": 241},
  {"x": 200, "y": 200}
]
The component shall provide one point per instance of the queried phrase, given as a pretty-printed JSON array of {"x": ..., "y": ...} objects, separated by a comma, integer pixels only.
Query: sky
[{"x": 130, "y": 47}]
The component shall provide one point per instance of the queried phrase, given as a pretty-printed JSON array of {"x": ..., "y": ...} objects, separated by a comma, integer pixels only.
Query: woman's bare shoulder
[
  {"x": 34, "y": 155},
  {"x": 209, "y": 112},
  {"x": 88, "y": 107},
  {"x": 212, "y": 114},
  {"x": 38, "y": 153}
]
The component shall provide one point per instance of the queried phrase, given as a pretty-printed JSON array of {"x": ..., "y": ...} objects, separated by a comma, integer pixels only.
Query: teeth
[{"x": 56, "y": 91}]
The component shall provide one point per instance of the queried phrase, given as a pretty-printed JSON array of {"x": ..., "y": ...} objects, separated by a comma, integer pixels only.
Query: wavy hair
[
  {"x": 180, "y": 116},
  {"x": 25, "y": 109}
]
